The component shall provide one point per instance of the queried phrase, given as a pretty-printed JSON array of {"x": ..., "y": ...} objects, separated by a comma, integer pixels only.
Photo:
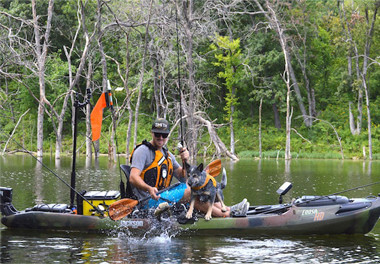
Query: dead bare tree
[
  {"x": 142, "y": 71},
  {"x": 299, "y": 49},
  {"x": 369, "y": 34},
  {"x": 194, "y": 22},
  {"x": 14, "y": 129},
  {"x": 355, "y": 129},
  {"x": 32, "y": 54},
  {"x": 73, "y": 80},
  {"x": 220, "y": 147},
  {"x": 275, "y": 23},
  {"x": 41, "y": 44},
  {"x": 271, "y": 13},
  {"x": 88, "y": 111},
  {"x": 361, "y": 74}
]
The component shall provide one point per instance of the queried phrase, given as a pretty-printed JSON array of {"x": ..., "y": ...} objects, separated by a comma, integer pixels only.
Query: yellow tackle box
[{"x": 100, "y": 199}]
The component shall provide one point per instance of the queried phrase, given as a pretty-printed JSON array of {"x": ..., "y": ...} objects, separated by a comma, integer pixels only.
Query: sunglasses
[{"x": 157, "y": 135}]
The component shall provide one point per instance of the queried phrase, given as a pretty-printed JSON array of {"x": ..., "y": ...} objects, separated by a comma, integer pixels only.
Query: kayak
[{"x": 304, "y": 216}]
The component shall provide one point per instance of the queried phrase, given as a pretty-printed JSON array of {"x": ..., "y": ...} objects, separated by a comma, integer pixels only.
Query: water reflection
[
  {"x": 38, "y": 184},
  {"x": 256, "y": 180},
  {"x": 37, "y": 247}
]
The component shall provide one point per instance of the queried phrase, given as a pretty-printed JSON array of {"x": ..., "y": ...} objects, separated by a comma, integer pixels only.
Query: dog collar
[{"x": 208, "y": 178}]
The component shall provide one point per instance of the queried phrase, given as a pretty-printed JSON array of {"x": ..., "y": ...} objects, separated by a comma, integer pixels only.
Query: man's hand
[
  {"x": 184, "y": 153},
  {"x": 153, "y": 193}
]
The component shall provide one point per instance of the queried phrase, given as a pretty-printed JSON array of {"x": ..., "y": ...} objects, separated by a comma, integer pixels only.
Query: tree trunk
[
  {"x": 355, "y": 130},
  {"x": 88, "y": 112},
  {"x": 156, "y": 85},
  {"x": 369, "y": 36},
  {"x": 58, "y": 140},
  {"x": 307, "y": 121},
  {"x": 188, "y": 16},
  {"x": 276, "y": 115},
  {"x": 41, "y": 47}
]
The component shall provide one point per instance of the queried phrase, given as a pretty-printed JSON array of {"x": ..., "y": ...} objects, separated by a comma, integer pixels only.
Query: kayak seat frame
[
  {"x": 348, "y": 208},
  {"x": 128, "y": 187}
]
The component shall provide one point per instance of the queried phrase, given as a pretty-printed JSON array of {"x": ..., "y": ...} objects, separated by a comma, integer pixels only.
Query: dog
[{"x": 206, "y": 188}]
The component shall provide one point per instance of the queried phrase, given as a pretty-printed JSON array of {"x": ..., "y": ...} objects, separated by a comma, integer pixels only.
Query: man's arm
[{"x": 139, "y": 183}]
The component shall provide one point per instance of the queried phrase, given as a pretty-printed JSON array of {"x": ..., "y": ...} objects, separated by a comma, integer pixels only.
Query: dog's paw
[
  {"x": 208, "y": 217},
  {"x": 189, "y": 215}
]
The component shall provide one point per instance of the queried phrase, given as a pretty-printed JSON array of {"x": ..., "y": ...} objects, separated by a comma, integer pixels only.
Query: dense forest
[{"x": 235, "y": 78}]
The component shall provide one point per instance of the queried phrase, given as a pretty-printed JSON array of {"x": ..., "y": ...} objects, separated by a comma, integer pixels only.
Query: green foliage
[
  {"x": 229, "y": 60},
  {"x": 243, "y": 65}
]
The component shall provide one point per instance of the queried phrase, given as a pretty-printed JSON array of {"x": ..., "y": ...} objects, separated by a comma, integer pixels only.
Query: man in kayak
[{"x": 153, "y": 166}]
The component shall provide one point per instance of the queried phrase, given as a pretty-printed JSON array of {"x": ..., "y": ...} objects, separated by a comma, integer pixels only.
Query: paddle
[
  {"x": 124, "y": 207},
  {"x": 214, "y": 168}
]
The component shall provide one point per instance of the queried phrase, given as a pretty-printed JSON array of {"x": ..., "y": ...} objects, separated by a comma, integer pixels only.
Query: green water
[{"x": 252, "y": 179}]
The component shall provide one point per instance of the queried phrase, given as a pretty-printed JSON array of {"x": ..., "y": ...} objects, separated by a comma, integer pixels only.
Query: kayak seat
[
  {"x": 310, "y": 200},
  {"x": 55, "y": 208},
  {"x": 128, "y": 188}
]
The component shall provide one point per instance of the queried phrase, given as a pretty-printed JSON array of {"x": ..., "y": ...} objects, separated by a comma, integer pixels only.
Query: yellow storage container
[{"x": 101, "y": 199}]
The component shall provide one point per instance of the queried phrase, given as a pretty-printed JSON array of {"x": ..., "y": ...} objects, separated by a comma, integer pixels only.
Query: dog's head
[{"x": 195, "y": 175}]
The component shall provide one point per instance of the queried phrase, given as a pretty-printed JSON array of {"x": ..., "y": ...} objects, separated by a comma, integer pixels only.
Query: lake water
[{"x": 252, "y": 179}]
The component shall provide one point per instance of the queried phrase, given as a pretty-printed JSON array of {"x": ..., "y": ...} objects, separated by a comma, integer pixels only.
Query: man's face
[{"x": 159, "y": 139}]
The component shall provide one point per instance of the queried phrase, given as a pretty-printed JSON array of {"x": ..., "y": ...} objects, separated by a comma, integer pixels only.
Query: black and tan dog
[{"x": 206, "y": 188}]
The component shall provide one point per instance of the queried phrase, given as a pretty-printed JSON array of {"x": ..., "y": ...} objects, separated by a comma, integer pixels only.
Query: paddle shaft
[
  {"x": 159, "y": 192},
  {"x": 124, "y": 207}
]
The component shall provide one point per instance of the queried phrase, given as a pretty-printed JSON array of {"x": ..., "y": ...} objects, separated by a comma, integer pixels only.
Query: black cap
[{"x": 160, "y": 125}]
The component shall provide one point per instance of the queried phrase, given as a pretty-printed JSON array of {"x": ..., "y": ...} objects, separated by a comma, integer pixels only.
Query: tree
[
  {"x": 35, "y": 57},
  {"x": 361, "y": 74},
  {"x": 229, "y": 59},
  {"x": 271, "y": 15}
]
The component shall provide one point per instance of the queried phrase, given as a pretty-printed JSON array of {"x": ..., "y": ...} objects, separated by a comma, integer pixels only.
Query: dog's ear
[
  {"x": 200, "y": 167},
  {"x": 187, "y": 166}
]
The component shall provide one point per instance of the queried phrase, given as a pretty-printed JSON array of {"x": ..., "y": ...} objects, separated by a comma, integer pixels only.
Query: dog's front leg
[
  {"x": 224, "y": 207},
  {"x": 189, "y": 213},
  {"x": 209, "y": 211}
]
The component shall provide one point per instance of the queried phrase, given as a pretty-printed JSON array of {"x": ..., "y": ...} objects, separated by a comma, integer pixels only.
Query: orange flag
[{"x": 97, "y": 117}]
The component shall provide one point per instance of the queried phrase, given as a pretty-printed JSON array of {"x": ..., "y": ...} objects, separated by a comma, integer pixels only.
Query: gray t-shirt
[{"x": 143, "y": 156}]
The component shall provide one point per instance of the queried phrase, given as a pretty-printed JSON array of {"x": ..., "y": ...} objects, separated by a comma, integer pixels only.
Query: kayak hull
[
  {"x": 359, "y": 218},
  {"x": 297, "y": 221}
]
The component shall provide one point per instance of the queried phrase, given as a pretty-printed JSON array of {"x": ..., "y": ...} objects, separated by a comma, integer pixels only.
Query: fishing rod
[
  {"x": 179, "y": 77},
  {"x": 180, "y": 145},
  {"x": 55, "y": 174}
]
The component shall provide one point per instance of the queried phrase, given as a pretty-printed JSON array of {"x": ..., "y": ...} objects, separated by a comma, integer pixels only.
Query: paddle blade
[
  {"x": 121, "y": 208},
  {"x": 214, "y": 168}
]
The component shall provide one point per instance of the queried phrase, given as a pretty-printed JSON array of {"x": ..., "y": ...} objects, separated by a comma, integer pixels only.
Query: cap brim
[{"x": 160, "y": 131}]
